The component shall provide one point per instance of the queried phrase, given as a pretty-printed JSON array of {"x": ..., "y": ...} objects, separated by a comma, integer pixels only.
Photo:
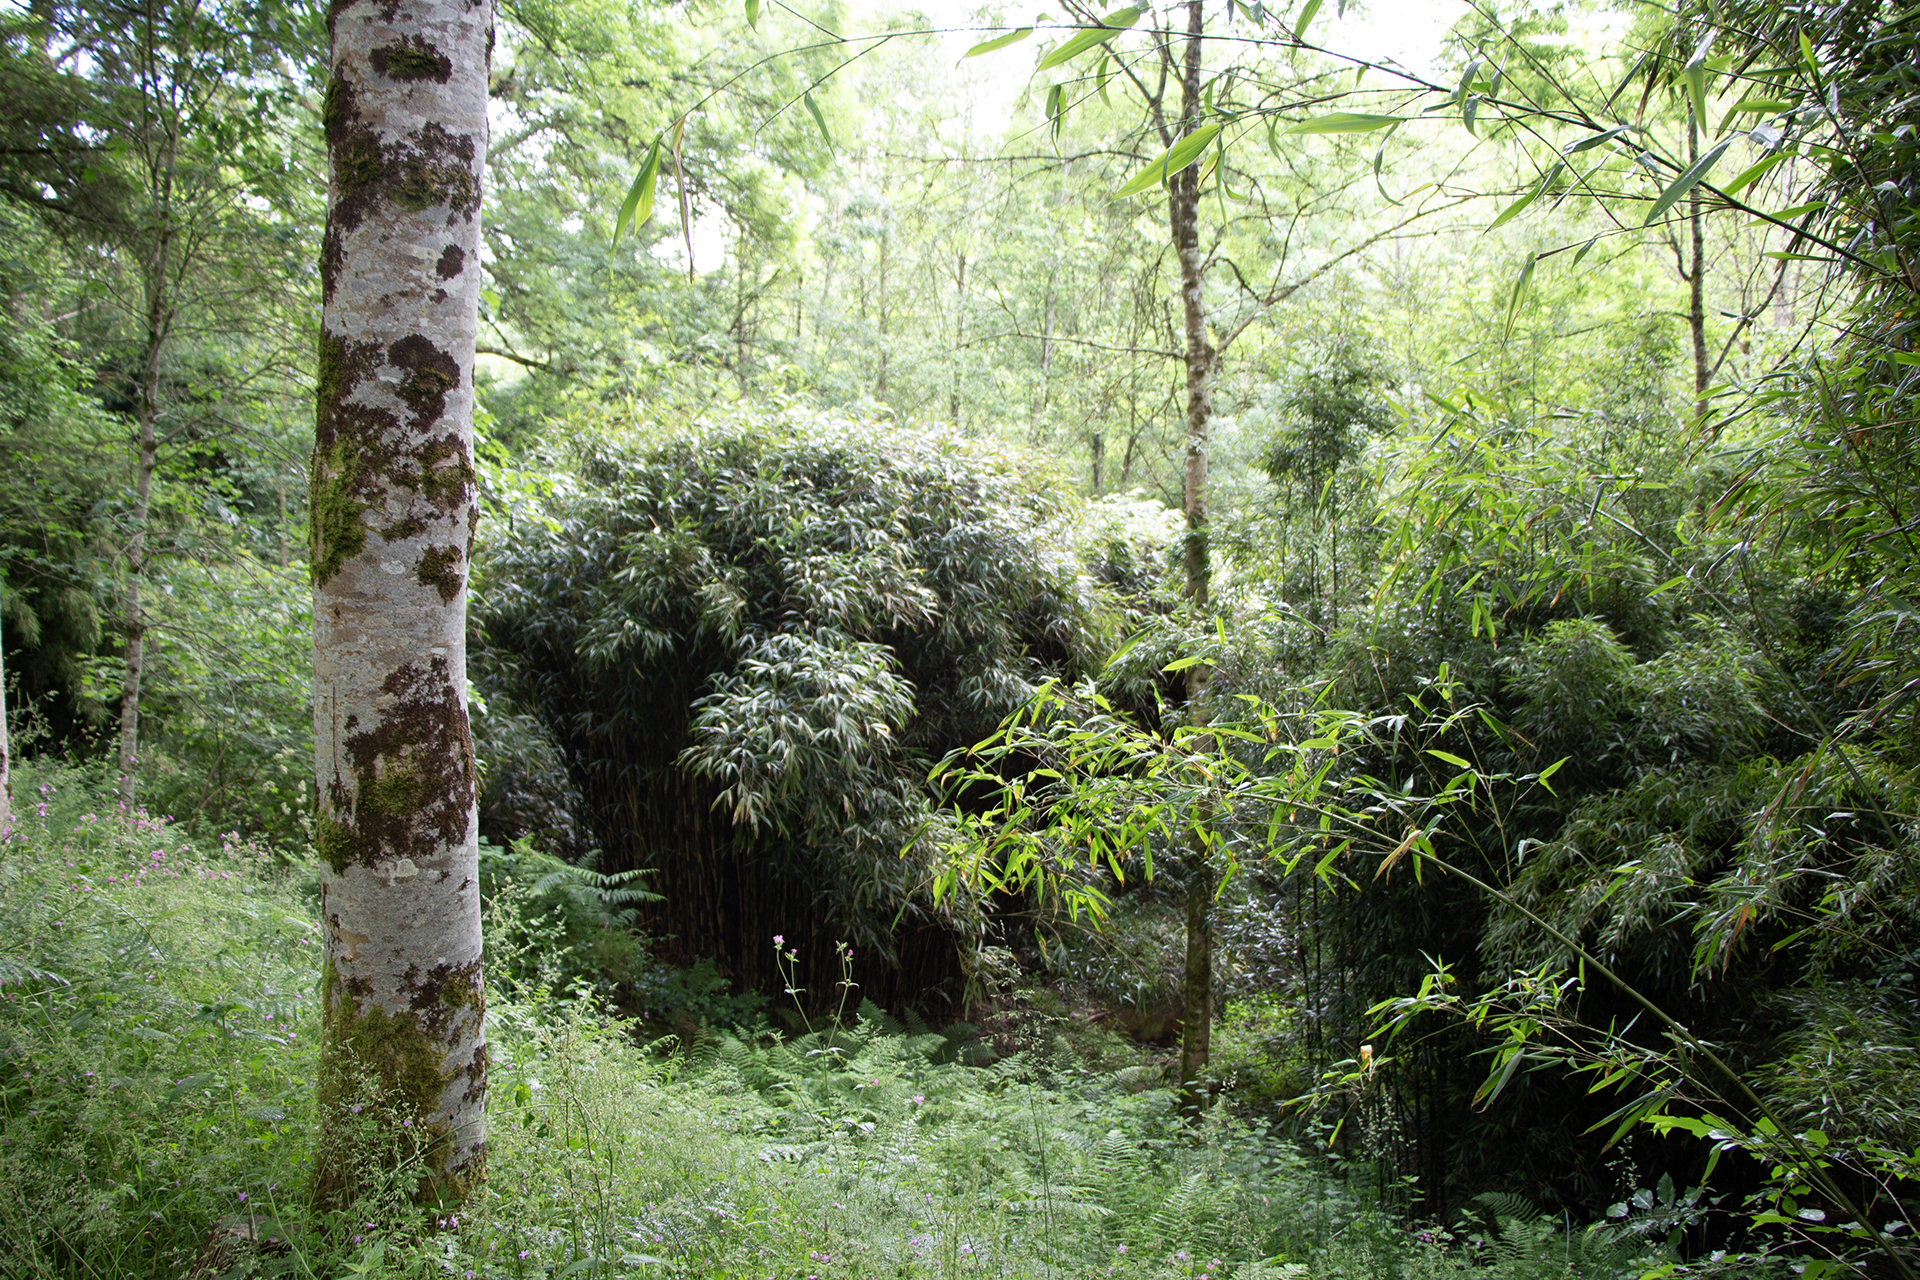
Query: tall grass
[{"x": 157, "y": 1038}]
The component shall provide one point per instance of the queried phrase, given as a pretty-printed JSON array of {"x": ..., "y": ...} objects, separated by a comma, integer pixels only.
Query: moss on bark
[{"x": 385, "y": 1070}]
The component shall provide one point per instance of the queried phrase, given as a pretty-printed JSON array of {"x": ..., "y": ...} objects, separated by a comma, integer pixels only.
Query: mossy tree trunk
[
  {"x": 403, "y": 1060},
  {"x": 1183, "y": 215}
]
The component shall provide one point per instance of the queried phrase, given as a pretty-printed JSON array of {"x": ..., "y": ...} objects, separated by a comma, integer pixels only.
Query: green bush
[{"x": 748, "y": 639}]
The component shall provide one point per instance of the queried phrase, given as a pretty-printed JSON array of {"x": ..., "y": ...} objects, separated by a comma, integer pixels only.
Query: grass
[{"x": 157, "y": 1043}]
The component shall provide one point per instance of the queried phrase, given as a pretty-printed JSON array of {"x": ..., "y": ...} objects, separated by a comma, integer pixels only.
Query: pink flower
[{"x": 779, "y": 939}]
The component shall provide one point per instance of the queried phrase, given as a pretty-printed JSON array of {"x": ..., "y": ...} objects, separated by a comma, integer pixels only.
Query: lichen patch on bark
[
  {"x": 431, "y": 373},
  {"x": 411, "y": 58},
  {"x": 411, "y": 793},
  {"x": 437, "y": 570}
]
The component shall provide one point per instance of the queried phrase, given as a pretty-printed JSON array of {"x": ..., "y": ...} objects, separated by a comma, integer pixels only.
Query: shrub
[{"x": 749, "y": 638}]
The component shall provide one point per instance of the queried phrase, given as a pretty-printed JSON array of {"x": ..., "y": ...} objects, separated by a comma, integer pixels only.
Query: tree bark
[
  {"x": 162, "y": 152},
  {"x": 147, "y": 447},
  {"x": 959, "y": 335},
  {"x": 1183, "y": 213},
  {"x": 1697, "y": 285},
  {"x": 403, "y": 1069},
  {"x": 6, "y": 742}
]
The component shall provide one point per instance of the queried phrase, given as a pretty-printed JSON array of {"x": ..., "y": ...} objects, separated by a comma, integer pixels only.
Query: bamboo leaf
[
  {"x": 1593, "y": 140},
  {"x": 1798, "y": 210},
  {"x": 1345, "y": 122},
  {"x": 1110, "y": 26},
  {"x": 1301, "y": 23},
  {"x": 1515, "y": 209},
  {"x": 1494, "y": 1084},
  {"x": 819, "y": 117},
  {"x": 638, "y": 206},
  {"x": 1686, "y": 181},
  {"x": 997, "y": 43},
  {"x": 1696, "y": 73},
  {"x": 1761, "y": 106},
  {"x": 753, "y": 13},
  {"x": 1753, "y": 173},
  {"x": 1519, "y": 292},
  {"x": 1173, "y": 160}
]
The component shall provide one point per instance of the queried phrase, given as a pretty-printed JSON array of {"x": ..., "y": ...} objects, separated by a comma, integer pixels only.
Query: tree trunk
[
  {"x": 959, "y": 335},
  {"x": 136, "y": 619},
  {"x": 159, "y": 320},
  {"x": 1044, "y": 397},
  {"x": 1183, "y": 212},
  {"x": 1697, "y": 284},
  {"x": 402, "y": 1079},
  {"x": 6, "y": 742},
  {"x": 880, "y": 384}
]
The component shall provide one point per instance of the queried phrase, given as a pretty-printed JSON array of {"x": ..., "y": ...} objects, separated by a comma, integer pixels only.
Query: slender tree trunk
[
  {"x": 880, "y": 384},
  {"x": 159, "y": 320},
  {"x": 1183, "y": 207},
  {"x": 1045, "y": 395},
  {"x": 403, "y": 1064},
  {"x": 959, "y": 335},
  {"x": 1697, "y": 284},
  {"x": 136, "y": 618},
  {"x": 6, "y": 742}
]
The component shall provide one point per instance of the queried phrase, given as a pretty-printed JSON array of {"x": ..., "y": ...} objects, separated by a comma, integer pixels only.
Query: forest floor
[{"x": 158, "y": 1036}]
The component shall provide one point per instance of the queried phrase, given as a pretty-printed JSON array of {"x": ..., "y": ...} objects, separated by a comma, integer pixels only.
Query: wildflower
[
  {"x": 779, "y": 940},
  {"x": 243, "y": 1197},
  {"x": 523, "y": 1253},
  {"x": 920, "y": 1100}
]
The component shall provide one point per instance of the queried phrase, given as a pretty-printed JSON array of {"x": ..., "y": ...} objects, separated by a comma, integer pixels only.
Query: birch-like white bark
[{"x": 393, "y": 521}]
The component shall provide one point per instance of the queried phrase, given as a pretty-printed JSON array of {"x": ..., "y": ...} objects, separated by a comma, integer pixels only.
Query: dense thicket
[{"x": 749, "y": 639}]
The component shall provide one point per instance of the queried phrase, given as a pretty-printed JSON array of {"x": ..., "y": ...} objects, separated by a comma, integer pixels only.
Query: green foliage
[
  {"x": 560, "y": 925},
  {"x": 156, "y": 1058},
  {"x": 748, "y": 639},
  {"x": 156, "y": 1037},
  {"x": 1257, "y": 1051}
]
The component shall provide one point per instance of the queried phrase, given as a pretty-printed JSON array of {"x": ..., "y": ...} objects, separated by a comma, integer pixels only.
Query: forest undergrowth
[{"x": 159, "y": 1031}]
